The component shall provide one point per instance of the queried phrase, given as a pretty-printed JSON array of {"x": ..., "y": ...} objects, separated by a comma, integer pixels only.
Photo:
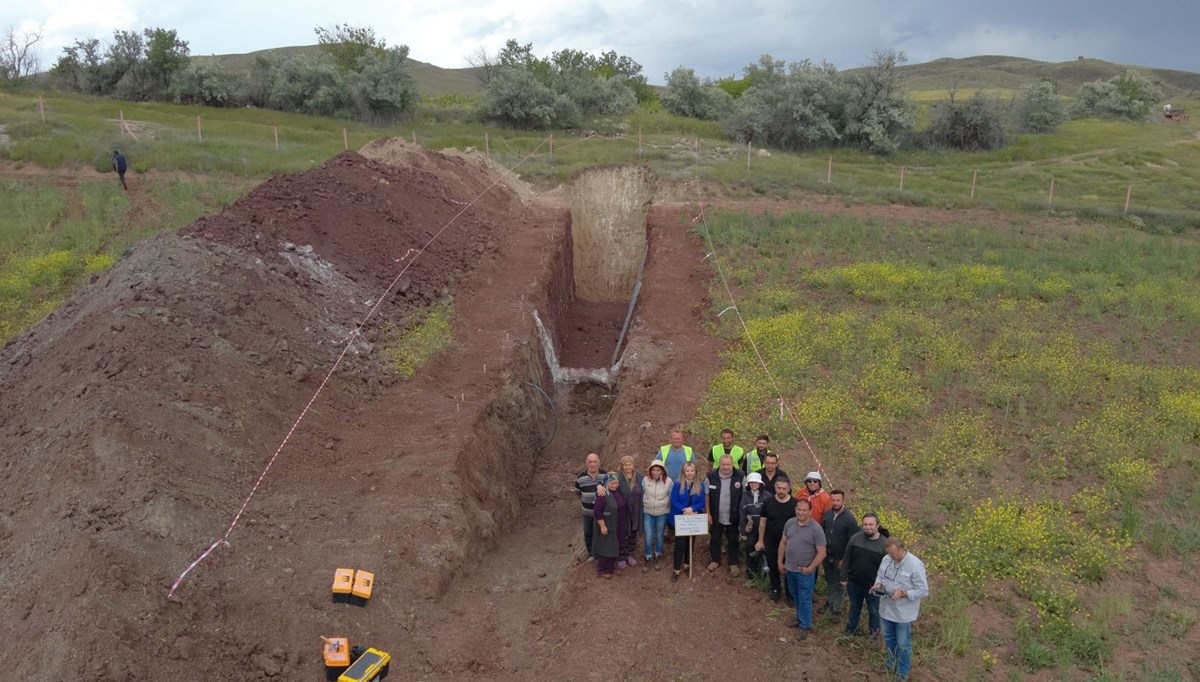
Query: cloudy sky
[{"x": 715, "y": 37}]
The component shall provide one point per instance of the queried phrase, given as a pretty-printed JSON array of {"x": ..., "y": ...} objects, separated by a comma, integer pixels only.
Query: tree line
[{"x": 796, "y": 106}]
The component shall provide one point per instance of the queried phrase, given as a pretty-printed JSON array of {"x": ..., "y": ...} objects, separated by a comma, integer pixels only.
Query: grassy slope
[
  {"x": 430, "y": 79},
  {"x": 998, "y": 72},
  {"x": 1005, "y": 391}
]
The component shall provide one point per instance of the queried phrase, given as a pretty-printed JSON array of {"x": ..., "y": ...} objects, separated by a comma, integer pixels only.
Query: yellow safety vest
[
  {"x": 718, "y": 451},
  {"x": 662, "y": 453}
]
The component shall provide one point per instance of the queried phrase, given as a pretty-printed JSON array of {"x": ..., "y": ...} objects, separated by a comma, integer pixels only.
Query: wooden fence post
[
  {"x": 42, "y": 107},
  {"x": 345, "y": 139},
  {"x": 276, "y": 138},
  {"x": 829, "y": 171},
  {"x": 749, "y": 146},
  {"x": 487, "y": 146},
  {"x": 1051, "y": 200},
  {"x": 551, "y": 147},
  {"x": 121, "y": 124},
  {"x": 901, "y": 178},
  {"x": 414, "y": 136},
  {"x": 639, "y": 142},
  {"x": 974, "y": 174},
  {"x": 1128, "y": 196},
  {"x": 199, "y": 130}
]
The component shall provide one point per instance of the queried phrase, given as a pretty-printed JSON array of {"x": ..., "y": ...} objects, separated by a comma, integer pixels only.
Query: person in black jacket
[
  {"x": 840, "y": 526},
  {"x": 723, "y": 502},
  {"x": 864, "y": 553},
  {"x": 753, "y": 498}
]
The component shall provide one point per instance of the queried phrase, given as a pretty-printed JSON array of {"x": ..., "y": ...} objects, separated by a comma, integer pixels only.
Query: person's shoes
[
  {"x": 712, "y": 566},
  {"x": 902, "y": 678},
  {"x": 802, "y": 634},
  {"x": 674, "y": 576},
  {"x": 794, "y": 622},
  {"x": 775, "y": 595},
  {"x": 632, "y": 561},
  {"x": 607, "y": 576},
  {"x": 835, "y": 618},
  {"x": 735, "y": 571},
  {"x": 658, "y": 562},
  {"x": 591, "y": 559},
  {"x": 621, "y": 565},
  {"x": 646, "y": 565}
]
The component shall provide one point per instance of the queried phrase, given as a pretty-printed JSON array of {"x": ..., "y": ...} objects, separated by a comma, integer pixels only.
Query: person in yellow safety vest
[
  {"x": 674, "y": 455},
  {"x": 726, "y": 447},
  {"x": 756, "y": 459}
]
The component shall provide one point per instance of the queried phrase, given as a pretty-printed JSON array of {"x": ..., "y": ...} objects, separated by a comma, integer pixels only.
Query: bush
[
  {"x": 1129, "y": 96},
  {"x": 976, "y": 124},
  {"x": 877, "y": 110},
  {"x": 1039, "y": 108},
  {"x": 795, "y": 110},
  {"x": 205, "y": 84},
  {"x": 516, "y": 97},
  {"x": 688, "y": 96}
]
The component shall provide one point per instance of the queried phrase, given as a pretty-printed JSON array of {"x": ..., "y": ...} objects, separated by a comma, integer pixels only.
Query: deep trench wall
[
  {"x": 608, "y": 227},
  {"x": 496, "y": 463}
]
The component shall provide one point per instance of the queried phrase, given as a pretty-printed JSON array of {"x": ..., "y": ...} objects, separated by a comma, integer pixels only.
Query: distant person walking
[
  {"x": 120, "y": 166},
  {"x": 902, "y": 577}
]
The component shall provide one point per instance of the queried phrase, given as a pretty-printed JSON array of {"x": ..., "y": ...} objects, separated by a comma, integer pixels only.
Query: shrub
[
  {"x": 1129, "y": 96},
  {"x": 797, "y": 110},
  {"x": 205, "y": 84},
  {"x": 1039, "y": 108},
  {"x": 687, "y": 96},
  {"x": 976, "y": 124}
]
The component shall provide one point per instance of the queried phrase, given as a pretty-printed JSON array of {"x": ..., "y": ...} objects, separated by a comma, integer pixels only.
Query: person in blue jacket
[
  {"x": 687, "y": 497},
  {"x": 120, "y": 166}
]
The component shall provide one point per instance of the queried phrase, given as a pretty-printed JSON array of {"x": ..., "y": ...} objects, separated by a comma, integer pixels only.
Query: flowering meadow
[{"x": 1020, "y": 398}]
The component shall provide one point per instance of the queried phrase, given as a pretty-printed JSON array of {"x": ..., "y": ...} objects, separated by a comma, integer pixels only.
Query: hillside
[
  {"x": 431, "y": 80},
  {"x": 992, "y": 72},
  {"x": 1000, "y": 72}
]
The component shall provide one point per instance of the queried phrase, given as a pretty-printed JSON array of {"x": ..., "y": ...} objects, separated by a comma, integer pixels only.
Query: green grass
[
  {"x": 411, "y": 347},
  {"x": 1032, "y": 379}
]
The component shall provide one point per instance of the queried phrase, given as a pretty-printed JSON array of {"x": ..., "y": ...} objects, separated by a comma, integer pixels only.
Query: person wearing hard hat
[{"x": 817, "y": 497}]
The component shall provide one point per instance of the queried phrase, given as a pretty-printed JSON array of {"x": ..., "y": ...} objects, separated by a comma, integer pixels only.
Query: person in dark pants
[
  {"x": 860, "y": 566},
  {"x": 686, "y": 498},
  {"x": 586, "y": 483},
  {"x": 776, "y": 512},
  {"x": 723, "y": 500},
  {"x": 120, "y": 166},
  {"x": 753, "y": 498},
  {"x": 840, "y": 525}
]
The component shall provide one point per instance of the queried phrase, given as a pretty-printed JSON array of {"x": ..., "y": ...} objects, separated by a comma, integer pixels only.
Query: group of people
[{"x": 751, "y": 510}]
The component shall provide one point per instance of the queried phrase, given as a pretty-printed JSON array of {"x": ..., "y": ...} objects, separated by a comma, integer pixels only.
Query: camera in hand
[{"x": 878, "y": 592}]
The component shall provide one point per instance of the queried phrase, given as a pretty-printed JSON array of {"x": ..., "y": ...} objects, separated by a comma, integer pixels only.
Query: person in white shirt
[{"x": 903, "y": 582}]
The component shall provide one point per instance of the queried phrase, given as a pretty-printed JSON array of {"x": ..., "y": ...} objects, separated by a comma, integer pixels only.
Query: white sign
[{"x": 691, "y": 524}]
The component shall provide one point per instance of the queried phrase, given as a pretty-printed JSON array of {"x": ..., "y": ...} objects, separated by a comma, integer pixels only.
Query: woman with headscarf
[
  {"x": 687, "y": 497},
  {"x": 656, "y": 509},
  {"x": 630, "y": 485},
  {"x": 609, "y": 513}
]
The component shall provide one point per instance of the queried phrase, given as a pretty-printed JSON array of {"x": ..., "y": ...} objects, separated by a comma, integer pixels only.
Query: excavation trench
[{"x": 589, "y": 294}]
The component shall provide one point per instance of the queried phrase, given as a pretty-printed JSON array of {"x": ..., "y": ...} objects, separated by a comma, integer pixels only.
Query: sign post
[{"x": 689, "y": 526}]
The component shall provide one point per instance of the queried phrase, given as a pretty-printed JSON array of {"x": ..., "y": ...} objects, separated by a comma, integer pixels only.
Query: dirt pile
[{"x": 135, "y": 418}]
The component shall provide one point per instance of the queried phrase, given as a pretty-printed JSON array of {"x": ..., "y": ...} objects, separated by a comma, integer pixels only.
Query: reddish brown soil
[
  {"x": 136, "y": 417},
  {"x": 588, "y": 332}
]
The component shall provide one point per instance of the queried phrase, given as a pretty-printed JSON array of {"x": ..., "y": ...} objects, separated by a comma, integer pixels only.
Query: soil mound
[
  {"x": 451, "y": 165},
  {"x": 136, "y": 416}
]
